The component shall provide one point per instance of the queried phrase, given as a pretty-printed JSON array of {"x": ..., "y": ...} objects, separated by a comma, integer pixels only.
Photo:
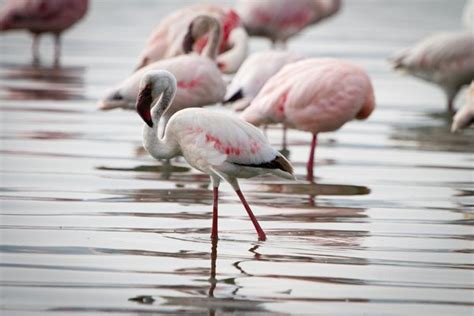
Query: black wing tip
[
  {"x": 279, "y": 162},
  {"x": 236, "y": 96}
]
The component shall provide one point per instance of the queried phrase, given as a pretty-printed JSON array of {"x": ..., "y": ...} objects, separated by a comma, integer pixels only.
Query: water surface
[{"x": 91, "y": 224}]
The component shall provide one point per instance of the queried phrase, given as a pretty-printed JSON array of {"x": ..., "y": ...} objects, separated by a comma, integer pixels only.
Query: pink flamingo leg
[
  {"x": 214, "y": 215},
  {"x": 260, "y": 232},
  {"x": 310, "y": 165},
  {"x": 284, "y": 138}
]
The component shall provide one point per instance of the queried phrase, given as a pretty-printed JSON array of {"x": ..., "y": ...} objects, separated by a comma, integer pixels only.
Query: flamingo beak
[
  {"x": 188, "y": 41},
  {"x": 143, "y": 105}
]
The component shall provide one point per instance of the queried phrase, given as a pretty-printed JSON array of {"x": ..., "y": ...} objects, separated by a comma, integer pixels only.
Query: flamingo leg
[
  {"x": 57, "y": 49},
  {"x": 214, "y": 229},
  {"x": 284, "y": 138},
  {"x": 310, "y": 165},
  {"x": 35, "y": 49},
  {"x": 260, "y": 232}
]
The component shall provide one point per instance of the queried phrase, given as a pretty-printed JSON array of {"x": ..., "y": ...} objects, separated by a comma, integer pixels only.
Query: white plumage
[
  {"x": 254, "y": 73},
  {"x": 223, "y": 146},
  {"x": 464, "y": 116},
  {"x": 446, "y": 59}
]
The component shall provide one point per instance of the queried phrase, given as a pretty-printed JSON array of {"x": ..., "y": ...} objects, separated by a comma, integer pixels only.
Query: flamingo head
[
  {"x": 155, "y": 85},
  {"x": 200, "y": 26},
  {"x": 114, "y": 99}
]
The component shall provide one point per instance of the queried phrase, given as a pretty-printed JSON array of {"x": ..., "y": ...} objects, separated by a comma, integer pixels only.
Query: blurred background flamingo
[
  {"x": 465, "y": 116},
  {"x": 314, "y": 95},
  {"x": 201, "y": 86},
  {"x": 42, "y": 16},
  {"x": 223, "y": 146},
  {"x": 278, "y": 20},
  {"x": 166, "y": 40},
  {"x": 446, "y": 59}
]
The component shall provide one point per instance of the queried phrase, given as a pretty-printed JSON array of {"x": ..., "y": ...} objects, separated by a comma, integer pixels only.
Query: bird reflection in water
[{"x": 43, "y": 83}]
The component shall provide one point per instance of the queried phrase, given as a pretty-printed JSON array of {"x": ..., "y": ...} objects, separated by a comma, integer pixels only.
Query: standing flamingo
[
  {"x": 252, "y": 75},
  {"x": 42, "y": 16},
  {"x": 224, "y": 147},
  {"x": 446, "y": 59},
  {"x": 465, "y": 116},
  {"x": 314, "y": 95},
  {"x": 166, "y": 40},
  {"x": 279, "y": 20},
  {"x": 199, "y": 80}
]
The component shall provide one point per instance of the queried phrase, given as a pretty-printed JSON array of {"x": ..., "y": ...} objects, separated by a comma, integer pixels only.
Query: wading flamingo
[
  {"x": 314, "y": 95},
  {"x": 199, "y": 80},
  {"x": 279, "y": 20},
  {"x": 167, "y": 38},
  {"x": 446, "y": 59},
  {"x": 465, "y": 116},
  {"x": 252, "y": 75},
  {"x": 222, "y": 146},
  {"x": 42, "y": 16}
]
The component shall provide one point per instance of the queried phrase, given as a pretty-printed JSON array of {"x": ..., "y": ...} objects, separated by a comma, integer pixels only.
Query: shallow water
[{"x": 90, "y": 224}]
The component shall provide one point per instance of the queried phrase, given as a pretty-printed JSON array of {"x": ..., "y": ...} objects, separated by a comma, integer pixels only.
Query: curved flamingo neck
[
  {"x": 165, "y": 147},
  {"x": 211, "y": 50}
]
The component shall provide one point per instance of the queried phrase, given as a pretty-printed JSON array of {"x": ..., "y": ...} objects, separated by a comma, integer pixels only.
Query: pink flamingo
[
  {"x": 252, "y": 75},
  {"x": 42, "y": 16},
  {"x": 446, "y": 59},
  {"x": 279, "y": 20},
  {"x": 222, "y": 146},
  {"x": 199, "y": 80},
  {"x": 314, "y": 95},
  {"x": 166, "y": 40},
  {"x": 465, "y": 116}
]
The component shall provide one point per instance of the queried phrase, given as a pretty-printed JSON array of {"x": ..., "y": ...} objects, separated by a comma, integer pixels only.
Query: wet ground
[{"x": 92, "y": 225}]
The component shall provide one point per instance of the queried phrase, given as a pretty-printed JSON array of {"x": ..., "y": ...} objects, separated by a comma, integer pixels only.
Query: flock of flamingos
[{"x": 181, "y": 70}]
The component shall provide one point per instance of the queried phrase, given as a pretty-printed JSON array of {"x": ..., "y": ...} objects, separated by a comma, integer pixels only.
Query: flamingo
[
  {"x": 199, "y": 80},
  {"x": 253, "y": 74},
  {"x": 446, "y": 59},
  {"x": 465, "y": 116},
  {"x": 314, "y": 95},
  {"x": 42, "y": 16},
  {"x": 166, "y": 40},
  {"x": 222, "y": 146},
  {"x": 279, "y": 20}
]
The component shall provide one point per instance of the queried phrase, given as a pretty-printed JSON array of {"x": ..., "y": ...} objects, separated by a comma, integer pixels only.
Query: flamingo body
[
  {"x": 167, "y": 38},
  {"x": 254, "y": 73},
  {"x": 446, "y": 59},
  {"x": 464, "y": 117},
  {"x": 42, "y": 16},
  {"x": 279, "y": 20},
  {"x": 201, "y": 86},
  {"x": 314, "y": 95}
]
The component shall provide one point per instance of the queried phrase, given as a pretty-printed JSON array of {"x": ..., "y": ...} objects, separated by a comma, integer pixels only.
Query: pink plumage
[
  {"x": 313, "y": 95},
  {"x": 279, "y": 20},
  {"x": 42, "y": 16},
  {"x": 199, "y": 81},
  {"x": 167, "y": 38}
]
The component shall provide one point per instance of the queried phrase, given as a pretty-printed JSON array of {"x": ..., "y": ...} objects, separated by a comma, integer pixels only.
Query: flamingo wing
[{"x": 210, "y": 139}]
